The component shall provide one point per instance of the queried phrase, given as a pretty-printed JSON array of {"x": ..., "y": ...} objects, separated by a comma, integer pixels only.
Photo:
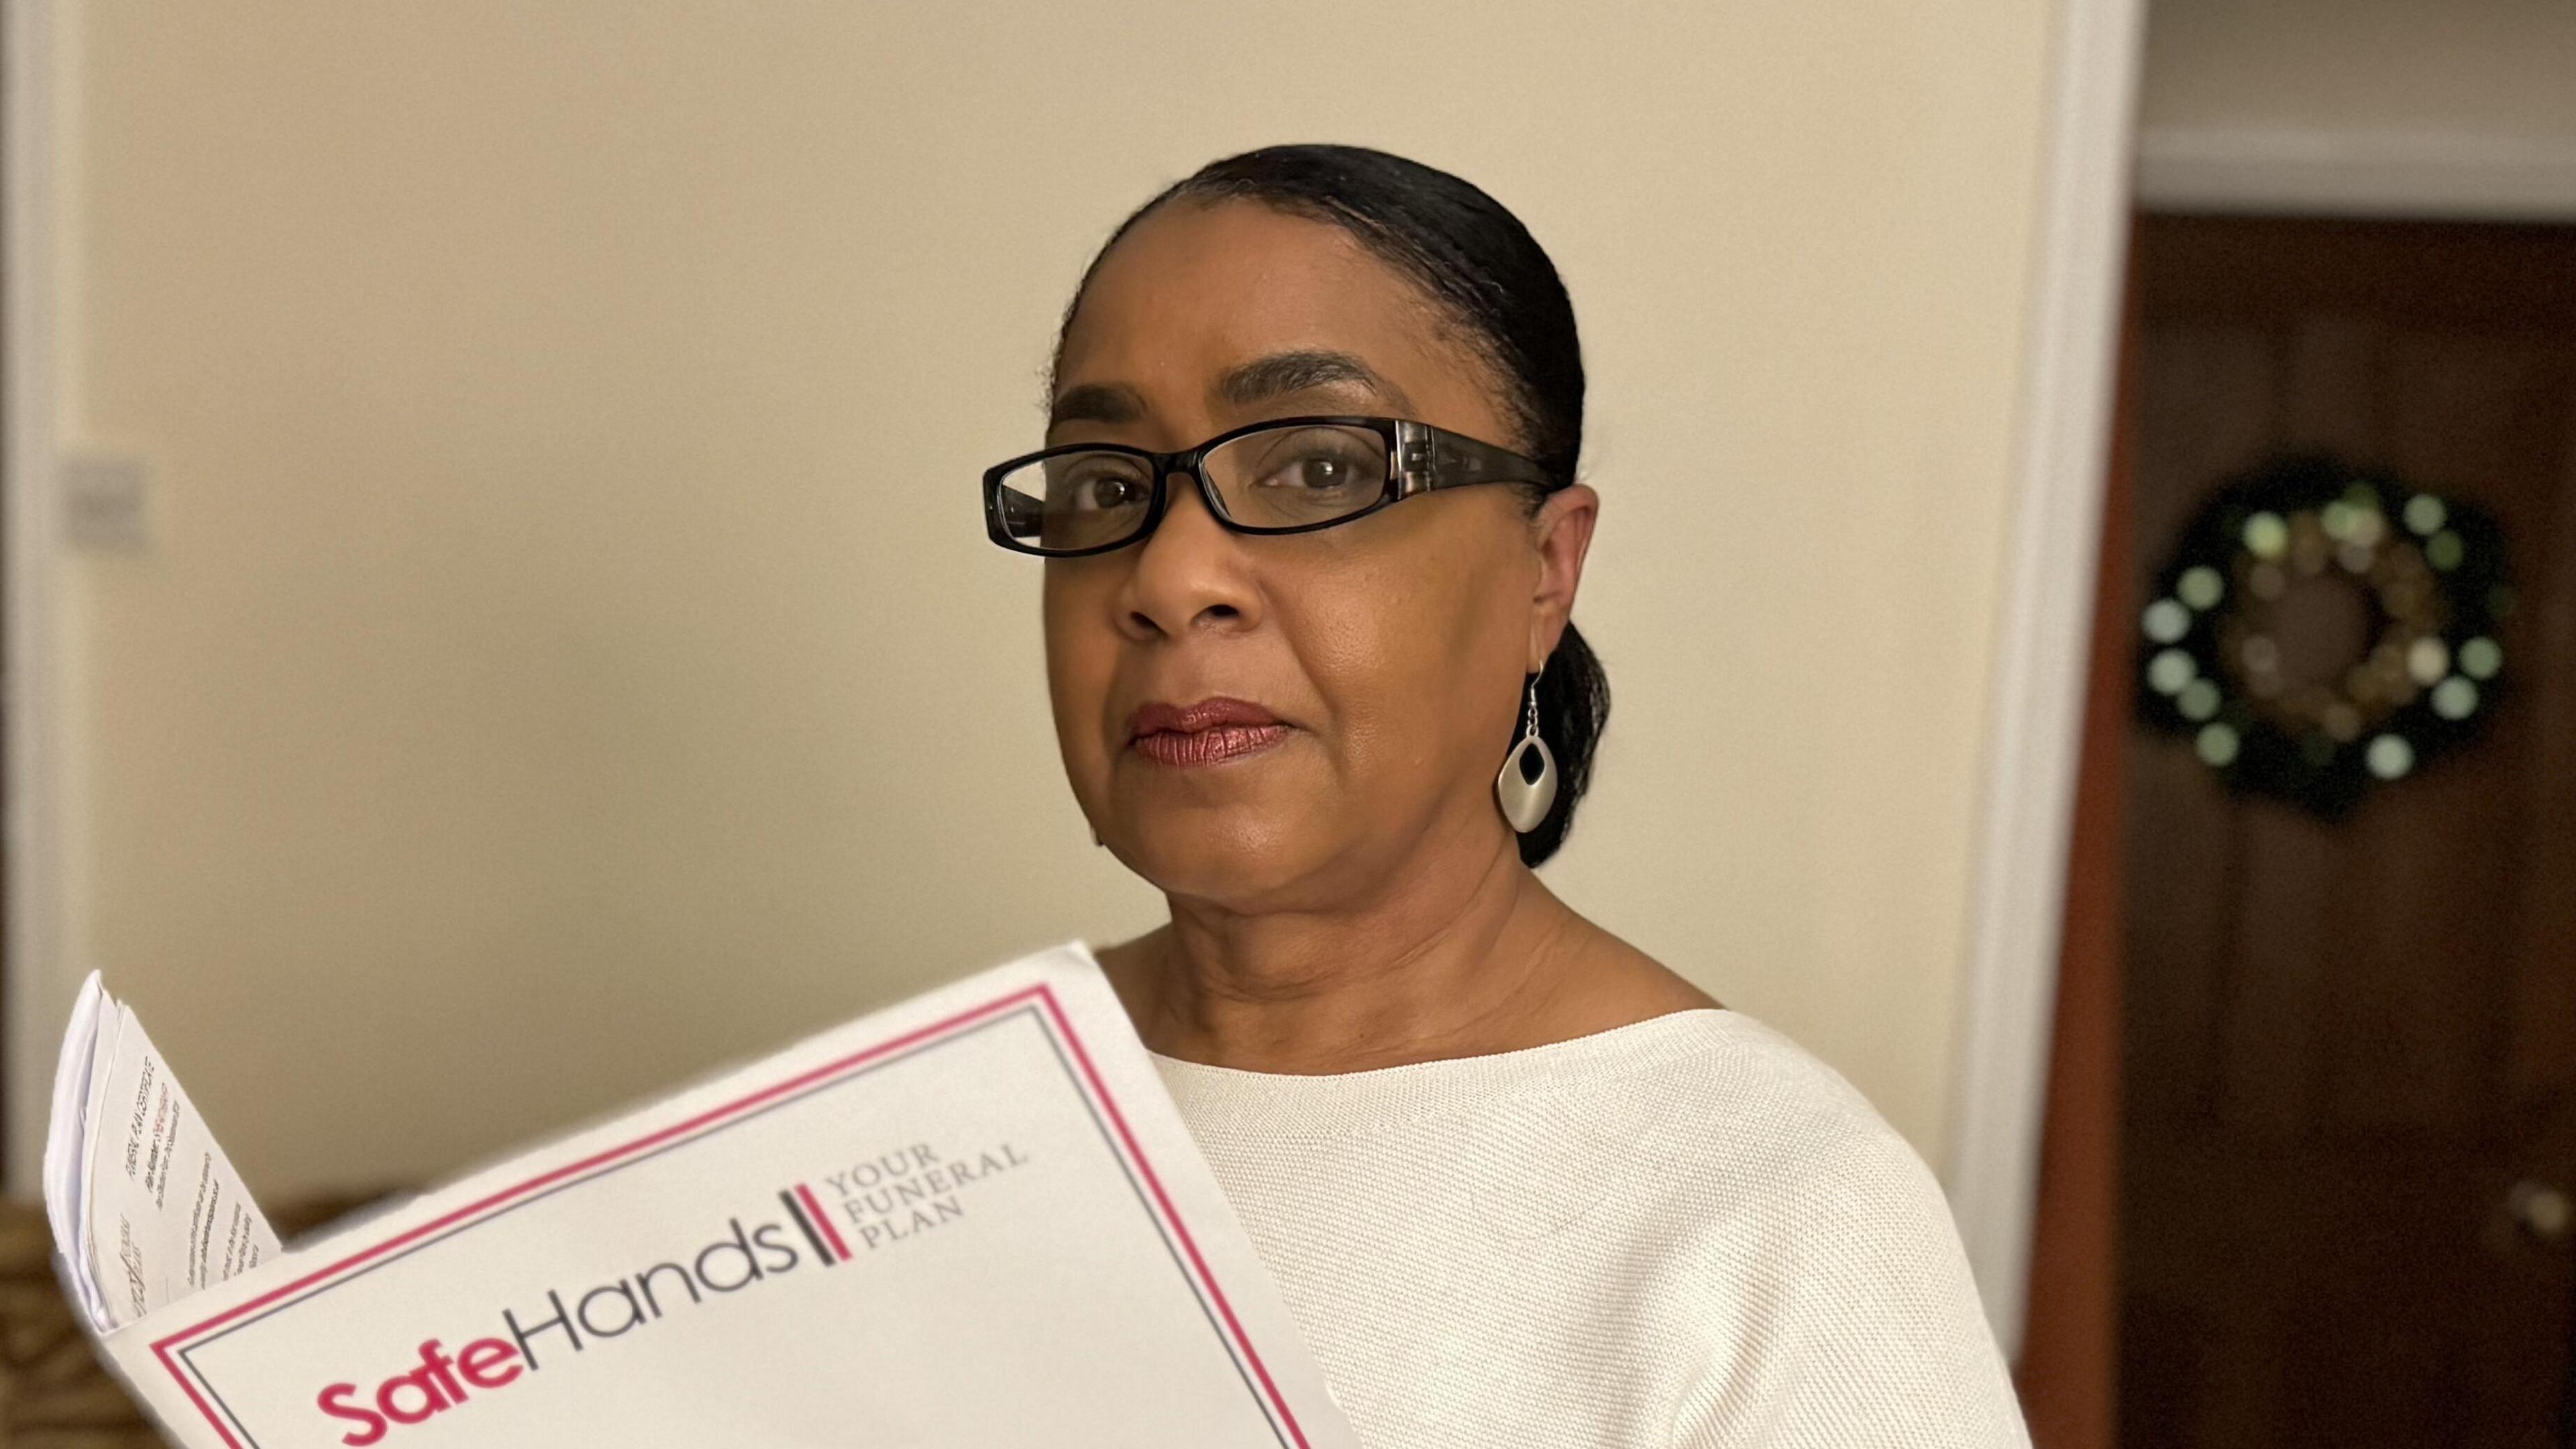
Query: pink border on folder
[{"x": 1041, "y": 993}]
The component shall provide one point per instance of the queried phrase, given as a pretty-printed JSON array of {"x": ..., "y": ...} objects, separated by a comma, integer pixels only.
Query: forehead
[{"x": 1194, "y": 293}]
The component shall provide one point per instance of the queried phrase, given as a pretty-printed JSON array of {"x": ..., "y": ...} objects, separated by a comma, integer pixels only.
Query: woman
[{"x": 1313, "y": 541}]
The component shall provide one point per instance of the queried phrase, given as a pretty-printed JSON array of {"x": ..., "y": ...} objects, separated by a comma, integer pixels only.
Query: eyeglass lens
[{"x": 1291, "y": 477}]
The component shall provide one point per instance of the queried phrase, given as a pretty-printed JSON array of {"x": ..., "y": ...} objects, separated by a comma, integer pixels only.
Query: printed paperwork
[
  {"x": 972, "y": 1220},
  {"x": 145, "y": 1208}
]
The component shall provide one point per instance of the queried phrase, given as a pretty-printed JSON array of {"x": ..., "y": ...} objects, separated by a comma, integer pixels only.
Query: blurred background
[{"x": 498, "y": 620}]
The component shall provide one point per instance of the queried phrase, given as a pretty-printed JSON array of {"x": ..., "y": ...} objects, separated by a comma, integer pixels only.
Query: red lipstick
[{"x": 1205, "y": 733}]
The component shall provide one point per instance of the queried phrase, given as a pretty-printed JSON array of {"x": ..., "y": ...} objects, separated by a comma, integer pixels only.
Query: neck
[{"x": 1463, "y": 953}]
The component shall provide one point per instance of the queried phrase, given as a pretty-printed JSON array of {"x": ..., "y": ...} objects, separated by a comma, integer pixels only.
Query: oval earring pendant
[{"x": 1527, "y": 785}]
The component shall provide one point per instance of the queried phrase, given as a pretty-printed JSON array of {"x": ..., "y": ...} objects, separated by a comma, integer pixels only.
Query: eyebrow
[
  {"x": 1097, "y": 402},
  {"x": 1282, "y": 373},
  {"x": 1248, "y": 384}
]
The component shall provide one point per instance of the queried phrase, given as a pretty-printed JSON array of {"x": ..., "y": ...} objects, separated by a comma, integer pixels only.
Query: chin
[{"x": 1236, "y": 855}]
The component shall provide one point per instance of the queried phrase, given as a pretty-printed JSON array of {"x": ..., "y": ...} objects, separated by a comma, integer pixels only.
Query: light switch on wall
[{"x": 107, "y": 502}]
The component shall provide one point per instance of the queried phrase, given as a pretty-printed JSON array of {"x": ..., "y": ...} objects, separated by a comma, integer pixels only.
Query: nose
[{"x": 1190, "y": 574}]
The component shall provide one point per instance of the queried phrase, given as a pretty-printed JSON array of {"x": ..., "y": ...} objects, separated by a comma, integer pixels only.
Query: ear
[{"x": 1563, "y": 533}]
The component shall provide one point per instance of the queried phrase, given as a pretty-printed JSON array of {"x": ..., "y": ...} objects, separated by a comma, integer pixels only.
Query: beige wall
[{"x": 569, "y": 658}]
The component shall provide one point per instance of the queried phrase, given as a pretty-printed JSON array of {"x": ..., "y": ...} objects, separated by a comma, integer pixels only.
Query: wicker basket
[{"x": 54, "y": 1392}]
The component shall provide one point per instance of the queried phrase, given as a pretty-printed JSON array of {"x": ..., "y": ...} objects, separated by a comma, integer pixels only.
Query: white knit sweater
[{"x": 1684, "y": 1232}]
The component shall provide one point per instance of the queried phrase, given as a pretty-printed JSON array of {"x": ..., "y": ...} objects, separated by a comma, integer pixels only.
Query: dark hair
[{"x": 1483, "y": 268}]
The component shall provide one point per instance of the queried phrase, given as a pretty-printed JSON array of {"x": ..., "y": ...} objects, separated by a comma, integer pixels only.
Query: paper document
[
  {"x": 972, "y": 1220},
  {"x": 143, "y": 1202}
]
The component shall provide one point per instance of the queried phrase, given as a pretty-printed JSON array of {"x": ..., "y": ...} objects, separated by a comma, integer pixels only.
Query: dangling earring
[{"x": 1527, "y": 785}]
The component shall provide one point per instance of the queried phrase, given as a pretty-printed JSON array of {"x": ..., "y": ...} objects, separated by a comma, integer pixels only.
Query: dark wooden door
[{"x": 2350, "y": 1070}]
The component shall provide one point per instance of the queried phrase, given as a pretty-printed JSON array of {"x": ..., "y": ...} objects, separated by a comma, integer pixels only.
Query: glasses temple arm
[{"x": 1428, "y": 458}]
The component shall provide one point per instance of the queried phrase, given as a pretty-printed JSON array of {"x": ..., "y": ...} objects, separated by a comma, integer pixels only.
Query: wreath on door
[{"x": 2322, "y": 629}]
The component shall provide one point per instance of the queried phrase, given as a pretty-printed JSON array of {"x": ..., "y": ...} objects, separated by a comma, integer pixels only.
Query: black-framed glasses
[{"x": 1286, "y": 475}]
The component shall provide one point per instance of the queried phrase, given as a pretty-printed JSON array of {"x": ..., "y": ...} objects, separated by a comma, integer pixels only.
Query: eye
[
  {"x": 1313, "y": 473},
  {"x": 1101, "y": 494},
  {"x": 1102, "y": 485},
  {"x": 1324, "y": 464}
]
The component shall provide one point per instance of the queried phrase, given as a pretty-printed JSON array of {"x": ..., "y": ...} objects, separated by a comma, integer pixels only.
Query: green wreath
[{"x": 2423, "y": 574}]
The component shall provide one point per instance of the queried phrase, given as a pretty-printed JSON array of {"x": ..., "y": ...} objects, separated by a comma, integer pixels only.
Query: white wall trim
[
  {"x": 2036, "y": 704},
  {"x": 2460, "y": 175},
  {"x": 31, "y": 957}
]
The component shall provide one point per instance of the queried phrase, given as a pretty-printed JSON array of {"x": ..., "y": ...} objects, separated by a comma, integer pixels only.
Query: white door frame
[
  {"x": 2035, "y": 705},
  {"x": 33, "y": 1003}
]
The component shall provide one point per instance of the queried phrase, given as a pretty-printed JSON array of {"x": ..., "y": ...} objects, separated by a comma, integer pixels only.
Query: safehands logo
[{"x": 872, "y": 1206}]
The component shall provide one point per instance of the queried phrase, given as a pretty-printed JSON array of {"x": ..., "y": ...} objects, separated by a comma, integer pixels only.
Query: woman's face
[{"x": 1284, "y": 722}]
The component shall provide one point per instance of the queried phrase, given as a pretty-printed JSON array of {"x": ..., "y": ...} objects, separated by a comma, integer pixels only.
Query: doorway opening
[{"x": 2349, "y": 1073}]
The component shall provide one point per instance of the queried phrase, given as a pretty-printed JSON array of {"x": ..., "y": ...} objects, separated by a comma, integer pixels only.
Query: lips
[{"x": 1206, "y": 733}]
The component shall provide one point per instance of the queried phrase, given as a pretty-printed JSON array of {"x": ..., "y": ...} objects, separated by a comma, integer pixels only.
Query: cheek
[
  {"x": 1402, "y": 657},
  {"x": 1081, "y": 659}
]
